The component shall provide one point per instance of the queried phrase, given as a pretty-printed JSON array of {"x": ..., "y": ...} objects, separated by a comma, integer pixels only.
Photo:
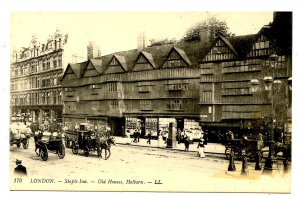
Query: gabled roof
[
  {"x": 121, "y": 60},
  {"x": 183, "y": 55},
  {"x": 229, "y": 45},
  {"x": 98, "y": 65},
  {"x": 78, "y": 68},
  {"x": 242, "y": 44},
  {"x": 149, "y": 57}
]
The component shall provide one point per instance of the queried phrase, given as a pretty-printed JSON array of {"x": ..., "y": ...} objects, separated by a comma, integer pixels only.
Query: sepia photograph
[{"x": 151, "y": 101}]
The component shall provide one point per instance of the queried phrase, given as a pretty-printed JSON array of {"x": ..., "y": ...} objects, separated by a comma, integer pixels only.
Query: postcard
[{"x": 151, "y": 101}]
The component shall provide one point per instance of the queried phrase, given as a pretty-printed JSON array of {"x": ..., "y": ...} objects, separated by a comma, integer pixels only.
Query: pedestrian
[
  {"x": 159, "y": 139},
  {"x": 149, "y": 137},
  {"x": 128, "y": 136},
  {"x": 138, "y": 135},
  {"x": 201, "y": 147},
  {"x": 135, "y": 136},
  {"x": 166, "y": 137},
  {"x": 186, "y": 143},
  {"x": 20, "y": 169}
]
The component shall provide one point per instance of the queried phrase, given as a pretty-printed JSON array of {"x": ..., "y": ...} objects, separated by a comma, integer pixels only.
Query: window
[
  {"x": 44, "y": 65},
  {"x": 235, "y": 88},
  {"x": 206, "y": 96},
  {"x": 54, "y": 63},
  {"x": 59, "y": 98},
  {"x": 114, "y": 104},
  {"x": 47, "y": 98},
  {"x": 144, "y": 87},
  {"x": 48, "y": 64},
  {"x": 59, "y": 62},
  {"x": 112, "y": 87},
  {"x": 54, "y": 94},
  {"x": 175, "y": 105},
  {"x": 94, "y": 89},
  {"x": 209, "y": 109},
  {"x": 70, "y": 92},
  {"x": 145, "y": 105}
]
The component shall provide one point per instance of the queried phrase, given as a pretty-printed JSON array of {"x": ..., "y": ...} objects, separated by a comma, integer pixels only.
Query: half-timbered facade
[{"x": 184, "y": 82}]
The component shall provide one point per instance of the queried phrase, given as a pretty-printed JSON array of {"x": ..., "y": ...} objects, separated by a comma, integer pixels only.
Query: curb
[{"x": 172, "y": 149}]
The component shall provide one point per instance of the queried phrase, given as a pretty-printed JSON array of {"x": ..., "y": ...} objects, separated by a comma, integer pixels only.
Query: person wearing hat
[
  {"x": 201, "y": 148},
  {"x": 20, "y": 169}
]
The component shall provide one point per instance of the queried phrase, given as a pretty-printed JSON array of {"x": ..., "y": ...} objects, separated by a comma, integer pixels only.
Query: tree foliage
[
  {"x": 154, "y": 42},
  {"x": 215, "y": 26}
]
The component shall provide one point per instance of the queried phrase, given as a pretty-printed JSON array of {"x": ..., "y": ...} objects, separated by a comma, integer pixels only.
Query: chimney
[
  {"x": 93, "y": 51},
  {"x": 204, "y": 34},
  {"x": 141, "y": 41}
]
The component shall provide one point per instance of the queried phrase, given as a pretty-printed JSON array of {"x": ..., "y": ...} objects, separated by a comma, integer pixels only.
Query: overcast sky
[{"x": 114, "y": 31}]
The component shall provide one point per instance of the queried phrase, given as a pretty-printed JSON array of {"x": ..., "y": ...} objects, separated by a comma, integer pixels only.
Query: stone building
[{"x": 35, "y": 81}]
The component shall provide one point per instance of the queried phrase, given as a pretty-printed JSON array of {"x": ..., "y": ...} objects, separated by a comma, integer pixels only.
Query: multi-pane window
[
  {"x": 235, "y": 88},
  {"x": 206, "y": 96},
  {"x": 176, "y": 104},
  {"x": 144, "y": 87},
  {"x": 145, "y": 105},
  {"x": 70, "y": 92},
  {"x": 94, "y": 89},
  {"x": 262, "y": 47},
  {"x": 241, "y": 66},
  {"x": 114, "y": 104},
  {"x": 112, "y": 87}
]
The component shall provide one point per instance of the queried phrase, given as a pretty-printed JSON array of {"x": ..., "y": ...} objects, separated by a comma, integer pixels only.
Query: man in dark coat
[{"x": 20, "y": 169}]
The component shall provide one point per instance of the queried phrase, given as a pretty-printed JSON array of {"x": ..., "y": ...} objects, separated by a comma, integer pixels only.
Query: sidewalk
[{"x": 209, "y": 148}]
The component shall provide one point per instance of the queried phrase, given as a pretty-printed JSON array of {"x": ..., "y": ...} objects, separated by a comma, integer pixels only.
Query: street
[{"x": 137, "y": 168}]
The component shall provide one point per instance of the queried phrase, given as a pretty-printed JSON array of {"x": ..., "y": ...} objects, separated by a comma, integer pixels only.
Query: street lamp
[{"x": 269, "y": 82}]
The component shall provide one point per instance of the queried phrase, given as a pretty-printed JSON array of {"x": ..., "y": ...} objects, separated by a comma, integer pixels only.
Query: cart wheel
[
  {"x": 227, "y": 152},
  {"x": 18, "y": 145},
  {"x": 61, "y": 153},
  {"x": 75, "y": 150},
  {"x": 86, "y": 151},
  {"x": 26, "y": 144},
  {"x": 44, "y": 154}
]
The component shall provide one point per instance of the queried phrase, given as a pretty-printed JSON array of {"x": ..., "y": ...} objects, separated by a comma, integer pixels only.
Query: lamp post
[{"x": 269, "y": 82}]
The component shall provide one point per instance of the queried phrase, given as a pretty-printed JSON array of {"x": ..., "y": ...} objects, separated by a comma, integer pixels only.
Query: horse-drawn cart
[
  {"x": 241, "y": 147},
  {"x": 19, "y": 135},
  {"x": 90, "y": 141},
  {"x": 49, "y": 143}
]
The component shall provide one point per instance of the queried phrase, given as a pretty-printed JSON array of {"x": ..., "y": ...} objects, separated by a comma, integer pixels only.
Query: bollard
[
  {"x": 231, "y": 166},
  {"x": 257, "y": 161},
  {"x": 244, "y": 170}
]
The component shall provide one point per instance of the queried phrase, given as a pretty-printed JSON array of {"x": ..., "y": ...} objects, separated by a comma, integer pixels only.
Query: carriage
[
  {"x": 53, "y": 144},
  {"x": 240, "y": 147},
  {"x": 19, "y": 135},
  {"x": 46, "y": 142},
  {"x": 91, "y": 141},
  {"x": 86, "y": 141}
]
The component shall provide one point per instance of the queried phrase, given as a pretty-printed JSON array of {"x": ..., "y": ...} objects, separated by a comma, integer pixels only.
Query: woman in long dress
[{"x": 201, "y": 148}]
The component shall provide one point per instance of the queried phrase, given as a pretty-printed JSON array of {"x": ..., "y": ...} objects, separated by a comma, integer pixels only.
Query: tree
[
  {"x": 154, "y": 42},
  {"x": 215, "y": 26}
]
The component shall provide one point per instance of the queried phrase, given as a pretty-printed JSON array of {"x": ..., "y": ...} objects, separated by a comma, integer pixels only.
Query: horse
[
  {"x": 105, "y": 144},
  {"x": 284, "y": 148}
]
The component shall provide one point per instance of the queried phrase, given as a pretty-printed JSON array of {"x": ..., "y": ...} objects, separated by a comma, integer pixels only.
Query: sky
[{"x": 118, "y": 31}]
